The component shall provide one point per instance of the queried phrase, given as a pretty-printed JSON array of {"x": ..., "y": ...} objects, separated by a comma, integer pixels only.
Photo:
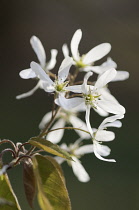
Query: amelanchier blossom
[
  {"x": 77, "y": 152},
  {"x": 120, "y": 76},
  {"x": 46, "y": 66},
  {"x": 101, "y": 135},
  {"x": 85, "y": 61},
  {"x": 92, "y": 96},
  {"x": 63, "y": 118},
  {"x": 59, "y": 84}
]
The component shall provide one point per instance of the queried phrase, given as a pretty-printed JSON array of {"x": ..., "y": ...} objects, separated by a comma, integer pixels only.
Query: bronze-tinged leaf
[
  {"x": 50, "y": 184},
  {"x": 8, "y": 200},
  {"x": 29, "y": 182},
  {"x": 59, "y": 169},
  {"x": 49, "y": 147}
]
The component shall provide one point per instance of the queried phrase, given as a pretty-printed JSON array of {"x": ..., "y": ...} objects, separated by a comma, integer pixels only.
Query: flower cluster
[{"x": 72, "y": 97}]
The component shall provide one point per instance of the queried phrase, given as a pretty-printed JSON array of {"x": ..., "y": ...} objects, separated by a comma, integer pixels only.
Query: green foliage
[
  {"x": 49, "y": 147},
  {"x": 52, "y": 192},
  {"x": 8, "y": 200}
]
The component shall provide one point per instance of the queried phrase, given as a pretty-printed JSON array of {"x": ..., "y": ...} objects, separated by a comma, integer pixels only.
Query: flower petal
[
  {"x": 56, "y": 136},
  {"x": 121, "y": 75},
  {"x": 68, "y": 104},
  {"x": 97, "y": 53},
  {"x": 39, "y": 50},
  {"x": 87, "y": 118},
  {"x": 102, "y": 135},
  {"x": 51, "y": 64},
  {"x": 105, "y": 78},
  {"x": 111, "y": 107},
  {"x": 27, "y": 74},
  {"x": 60, "y": 160},
  {"x": 102, "y": 150},
  {"x": 45, "y": 120},
  {"x": 65, "y": 50},
  {"x": 29, "y": 93},
  {"x": 101, "y": 112},
  {"x": 84, "y": 149},
  {"x": 78, "y": 123},
  {"x": 79, "y": 170},
  {"x": 40, "y": 72},
  {"x": 106, "y": 95},
  {"x": 64, "y": 69},
  {"x": 75, "y": 88},
  {"x": 75, "y": 43},
  {"x": 85, "y": 87},
  {"x": 112, "y": 120}
]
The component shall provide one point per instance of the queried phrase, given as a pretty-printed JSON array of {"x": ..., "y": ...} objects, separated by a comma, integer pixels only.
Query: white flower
[
  {"x": 92, "y": 96},
  {"x": 59, "y": 85},
  {"x": 85, "y": 62},
  {"x": 29, "y": 73},
  {"x": 101, "y": 135},
  {"x": 62, "y": 118},
  {"x": 120, "y": 76},
  {"x": 77, "y": 152}
]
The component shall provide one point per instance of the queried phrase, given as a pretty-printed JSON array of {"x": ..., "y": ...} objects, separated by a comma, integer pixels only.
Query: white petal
[
  {"x": 111, "y": 107},
  {"x": 27, "y": 74},
  {"x": 79, "y": 170},
  {"x": 78, "y": 123},
  {"x": 102, "y": 135},
  {"x": 65, "y": 50},
  {"x": 56, "y": 136},
  {"x": 40, "y": 72},
  {"x": 39, "y": 50},
  {"x": 101, "y": 112},
  {"x": 87, "y": 118},
  {"x": 75, "y": 88},
  {"x": 51, "y": 64},
  {"x": 75, "y": 43},
  {"x": 45, "y": 120},
  {"x": 97, "y": 53},
  {"x": 64, "y": 69},
  {"x": 121, "y": 75},
  {"x": 86, "y": 149},
  {"x": 102, "y": 150},
  {"x": 106, "y": 95},
  {"x": 109, "y": 64},
  {"x": 29, "y": 93},
  {"x": 68, "y": 104},
  {"x": 48, "y": 87},
  {"x": 85, "y": 87},
  {"x": 104, "y": 66},
  {"x": 116, "y": 124},
  {"x": 60, "y": 160},
  {"x": 95, "y": 69},
  {"x": 111, "y": 119},
  {"x": 105, "y": 78}
]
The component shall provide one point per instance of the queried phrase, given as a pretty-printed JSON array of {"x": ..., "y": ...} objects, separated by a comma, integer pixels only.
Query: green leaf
[
  {"x": 49, "y": 147},
  {"x": 8, "y": 200},
  {"x": 52, "y": 192},
  {"x": 29, "y": 182},
  {"x": 58, "y": 167}
]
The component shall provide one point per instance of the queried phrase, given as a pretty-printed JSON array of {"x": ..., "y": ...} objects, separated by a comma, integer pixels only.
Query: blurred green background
[{"x": 113, "y": 186}]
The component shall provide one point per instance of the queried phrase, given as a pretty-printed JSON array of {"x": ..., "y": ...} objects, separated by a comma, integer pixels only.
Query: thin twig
[
  {"x": 7, "y": 150},
  {"x": 49, "y": 124},
  {"x": 21, "y": 147},
  {"x": 8, "y": 141},
  {"x": 67, "y": 128}
]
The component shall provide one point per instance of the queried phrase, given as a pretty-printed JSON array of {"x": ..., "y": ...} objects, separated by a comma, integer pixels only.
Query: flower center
[
  {"x": 90, "y": 99},
  {"x": 60, "y": 87}
]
